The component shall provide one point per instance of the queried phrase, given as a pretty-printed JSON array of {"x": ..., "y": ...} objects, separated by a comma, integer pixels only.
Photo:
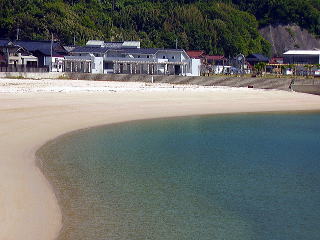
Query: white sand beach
[{"x": 33, "y": 112}]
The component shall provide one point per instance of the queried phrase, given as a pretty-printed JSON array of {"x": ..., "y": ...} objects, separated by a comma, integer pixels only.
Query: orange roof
[{"x": 195, "y": 53}]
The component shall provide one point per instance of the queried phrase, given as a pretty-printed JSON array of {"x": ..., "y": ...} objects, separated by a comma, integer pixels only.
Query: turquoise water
[{"x": 210, "y": 177}]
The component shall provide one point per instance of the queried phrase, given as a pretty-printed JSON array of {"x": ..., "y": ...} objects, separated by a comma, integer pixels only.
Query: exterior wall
[
  {"x": 31, "y": 75},
  {"x": 127, "y": 62},
  {"x": 55, "y": 63},
  {"x": 218, "y": 69},
  {"x": 194, "y": 68},
  {"x": 301, "y": 59},
  {"x": 19, "y": 59},
  {"x": 170, "y": 55},
  {"x": 97, "y": 65}
]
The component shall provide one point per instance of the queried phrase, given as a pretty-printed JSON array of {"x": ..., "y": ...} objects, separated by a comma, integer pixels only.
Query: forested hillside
[{"x": 218, "y": 27}]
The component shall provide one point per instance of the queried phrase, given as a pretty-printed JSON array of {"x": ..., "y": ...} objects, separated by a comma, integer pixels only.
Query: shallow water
[{"x": 209, "y": 177}]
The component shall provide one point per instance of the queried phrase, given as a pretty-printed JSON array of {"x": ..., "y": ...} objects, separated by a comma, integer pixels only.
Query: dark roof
[
  {"x": 4, "y": 42},
  {"x": 147, "y": 50},
  {"x": 69, "y": 48},
  {"x": 257, "y": 58},
  {"x": 170, "y": 49},
  {"x": 44, "y": 47},
  {"x": 89, "y": 49},
  {"x": 139, "y": 50}
]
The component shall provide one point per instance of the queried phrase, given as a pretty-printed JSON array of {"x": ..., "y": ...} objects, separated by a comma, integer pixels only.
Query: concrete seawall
[
  {"x": 231, "y": 81},
  {"x": 311, "y": 86}
]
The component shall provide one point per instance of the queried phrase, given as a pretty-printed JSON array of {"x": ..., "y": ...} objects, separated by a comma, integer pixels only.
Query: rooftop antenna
[{"x": 17, "y": 36}]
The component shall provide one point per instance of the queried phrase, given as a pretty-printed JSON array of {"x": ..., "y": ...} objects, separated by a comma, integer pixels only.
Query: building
[
  {"x": 302, "y": 57},
  {"x": 217, "y": 64},
  {"x": 50, "y": 54},
  {"x": 196, "y": 54},
  {"x": 276, "y": 60},
  {"x": 128, "y": 58},
  {"x": 15, "y": 55},
  {"x": 255, "y": 58}
]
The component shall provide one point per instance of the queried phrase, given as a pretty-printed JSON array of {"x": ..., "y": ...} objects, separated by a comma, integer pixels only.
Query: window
[
  {"x": 148, "y": 56},
  {"x": 138, "y": 56},
  {"x": 164, "y": 57},
  {"x": 108, "y": 65},
  {"x": 172, "y": 57}
]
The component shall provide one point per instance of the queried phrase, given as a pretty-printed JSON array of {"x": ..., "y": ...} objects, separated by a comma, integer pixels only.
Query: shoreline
[{"x": 29, "y": 120}]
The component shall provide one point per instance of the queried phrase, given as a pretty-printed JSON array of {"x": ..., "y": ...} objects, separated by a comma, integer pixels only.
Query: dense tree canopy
[{"x": 219, "y": 27}]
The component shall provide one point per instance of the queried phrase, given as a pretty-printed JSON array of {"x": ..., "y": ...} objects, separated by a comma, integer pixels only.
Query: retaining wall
[
  {"x": 32, "y": 75},
  {"x": 231, "y": 81}
]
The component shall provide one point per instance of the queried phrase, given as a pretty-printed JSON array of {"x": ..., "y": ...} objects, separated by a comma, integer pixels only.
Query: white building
[
  {"x": 128, "y": 58},
  {"x": 302, "y": 57}
]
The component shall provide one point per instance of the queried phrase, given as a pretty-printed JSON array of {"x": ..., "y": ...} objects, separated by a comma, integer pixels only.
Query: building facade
[
  {"x": 128, "y": 58},
  {"x": 302, "y": 57},
  {"x": 50, "y": 54},
  {"x": 15, "y": 55}
]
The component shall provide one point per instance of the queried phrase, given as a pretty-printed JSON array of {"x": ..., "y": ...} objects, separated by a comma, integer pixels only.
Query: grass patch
[
  {"x": 63, "y": 77},
  {"x": 15, "y": 77}
]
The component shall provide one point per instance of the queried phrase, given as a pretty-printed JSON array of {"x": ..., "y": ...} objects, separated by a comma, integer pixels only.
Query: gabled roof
[
  {"x": 195, "y": 53},
  {"x": 256, "y": 57},
  {"x": 5, "y": 42},
  {"x": 90, "y": 49},
  {"x": 69, "y": 48},
  {"x": 44, "y": 47},
  {"x": 146, "y": 51}
]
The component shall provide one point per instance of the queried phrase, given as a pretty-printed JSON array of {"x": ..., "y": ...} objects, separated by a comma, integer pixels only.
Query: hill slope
[
  {"x": 285, "y": 37},
  {"x": 224, "y": 27}
]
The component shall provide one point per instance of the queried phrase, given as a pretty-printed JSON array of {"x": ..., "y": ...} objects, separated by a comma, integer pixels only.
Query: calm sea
[{"x": 241, "y": 177}]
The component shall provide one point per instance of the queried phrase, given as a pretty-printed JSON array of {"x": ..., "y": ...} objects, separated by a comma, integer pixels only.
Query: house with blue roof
[
  {"x": 15, "y": 57},
  {"x": 49, "y": 53},
  {"x": 255, "y": 58}
]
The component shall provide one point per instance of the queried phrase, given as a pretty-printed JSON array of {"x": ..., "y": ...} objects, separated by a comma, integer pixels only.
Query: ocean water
[{"x": 241, "y": 177}]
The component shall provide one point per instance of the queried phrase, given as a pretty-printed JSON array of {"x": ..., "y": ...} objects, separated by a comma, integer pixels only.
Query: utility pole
[
  {"x": 51, "y": 63},
  {"x": 17, "y": 36},
  {"x": 74, "y": 40},
  {"x": 176, "y": 43}
]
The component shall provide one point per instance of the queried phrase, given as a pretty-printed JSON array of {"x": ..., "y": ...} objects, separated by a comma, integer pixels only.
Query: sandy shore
[{"x": 33, "y": 112}]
